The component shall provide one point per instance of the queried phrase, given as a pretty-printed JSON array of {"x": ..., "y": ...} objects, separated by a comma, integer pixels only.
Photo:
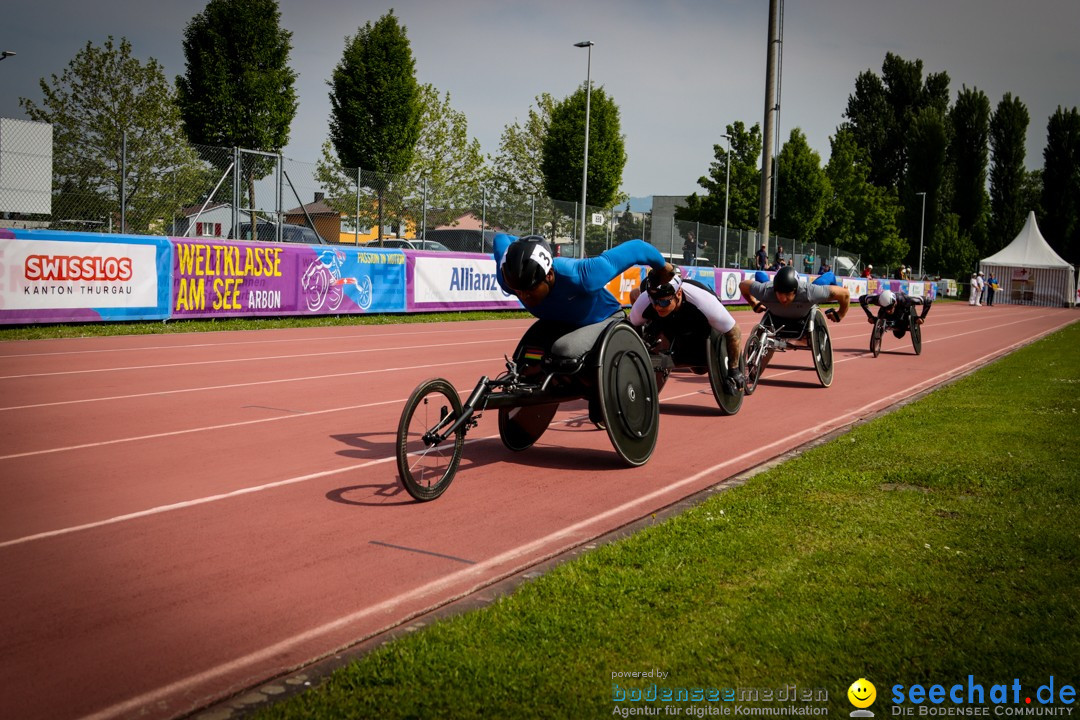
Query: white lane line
[
  {"x": 251, "y": 359},
  {"x": 550, "y": 545},
  {"x": 828, "y": 426},
  {"x": 244, "y": 384},
  {"x": 238, "y": 343}
]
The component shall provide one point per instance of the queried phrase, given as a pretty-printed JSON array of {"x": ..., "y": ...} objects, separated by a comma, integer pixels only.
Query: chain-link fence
[{"x": 217, "y": 192}]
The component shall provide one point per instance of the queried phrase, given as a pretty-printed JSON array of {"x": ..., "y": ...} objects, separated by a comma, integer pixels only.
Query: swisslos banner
[{"x": 47, "y": 276}]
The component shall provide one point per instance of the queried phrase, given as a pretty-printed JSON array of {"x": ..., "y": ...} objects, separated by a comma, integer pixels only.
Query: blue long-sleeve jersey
[{"x": 579, "y": 296}]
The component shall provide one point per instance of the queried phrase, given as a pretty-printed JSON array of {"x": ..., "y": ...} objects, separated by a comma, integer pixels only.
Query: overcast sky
[{"x": 680, "y": 70}]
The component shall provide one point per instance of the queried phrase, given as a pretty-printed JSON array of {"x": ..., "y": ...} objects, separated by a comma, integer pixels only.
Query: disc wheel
[
  {"x": 821, "y": 346},
  {"x": 427, "y": 470},
  {"x": 718, "y": 371},
  {"x": 521, "y": 427},
  {"x": 916, "y": 332},
  {"x": 628, "y": 396},
  {"x": 875, "y": 336}
]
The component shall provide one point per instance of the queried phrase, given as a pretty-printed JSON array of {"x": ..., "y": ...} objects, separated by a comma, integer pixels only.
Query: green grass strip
[{"x": 937, "y": 542}]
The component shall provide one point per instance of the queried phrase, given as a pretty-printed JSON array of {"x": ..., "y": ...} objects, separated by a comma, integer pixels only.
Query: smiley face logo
[{"x": 862, "y": 693}]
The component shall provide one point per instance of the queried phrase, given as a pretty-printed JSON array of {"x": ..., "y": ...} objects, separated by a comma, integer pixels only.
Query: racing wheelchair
[
  {"x": 617, "y": 372},
  {"x": 909, "y": 322},
  {"x": 770, "y": 336},
  {"x": 677, "y": 357}
]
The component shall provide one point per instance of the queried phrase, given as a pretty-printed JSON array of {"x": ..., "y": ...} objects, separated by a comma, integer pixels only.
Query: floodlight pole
[
  {"x": 922, "y": 229},
  {"x": 585, "y": 168},
  {"x": 727, "y": 199}
]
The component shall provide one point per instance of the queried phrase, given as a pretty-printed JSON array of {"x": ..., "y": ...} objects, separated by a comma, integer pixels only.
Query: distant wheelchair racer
[{"x": 896, "y": 312}]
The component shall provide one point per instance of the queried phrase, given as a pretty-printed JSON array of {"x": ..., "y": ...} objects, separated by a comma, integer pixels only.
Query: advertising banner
[
  {"x": 455, "y": 281},
  {"x": 225, "y": 278},
  {"x": 51, "y": 276},
  {"x": 729, "y": 286}
]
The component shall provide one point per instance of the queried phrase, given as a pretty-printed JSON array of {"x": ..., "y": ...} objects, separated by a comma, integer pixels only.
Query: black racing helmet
[
  {"x": 786, "y": 280},
  {"x": 526, "y": 263},
  {"x": 658, "y": 290}
]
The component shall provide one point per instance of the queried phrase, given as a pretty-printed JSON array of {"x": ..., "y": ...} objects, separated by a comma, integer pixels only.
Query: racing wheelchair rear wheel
[
  {"x": 821, "y": 347},
  {"x": 520, "y": 427},
  {"x": 875, "y": 336},
  {"x": 916, "y": 331},
  {"x": 718, "y": 371},
  {"x": 426, "y": 470},
  {"x": 629, "y": 398}
]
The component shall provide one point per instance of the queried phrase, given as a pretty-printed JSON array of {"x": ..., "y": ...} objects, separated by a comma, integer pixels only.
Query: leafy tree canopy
[
  {"x": 562, "y": 158},
  {"x": 104, "y": 95},
  {"x": 376, "y": 106}
]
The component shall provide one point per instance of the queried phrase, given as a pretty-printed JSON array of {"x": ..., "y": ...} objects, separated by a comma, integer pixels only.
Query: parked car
[
  {"x": 403, "y": 244},
  {"x": 463, "y": 240},
  {"x": 267, "y": 232}
]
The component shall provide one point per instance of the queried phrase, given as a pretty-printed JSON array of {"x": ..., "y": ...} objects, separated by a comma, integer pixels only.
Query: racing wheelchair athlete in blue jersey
[{"x": 580, "y": 347}]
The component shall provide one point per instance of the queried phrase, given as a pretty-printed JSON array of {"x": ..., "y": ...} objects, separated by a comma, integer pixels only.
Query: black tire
[
  {"x": 875, "y": 336},
  {"x": 629, "y": 399},
  {"x": 916, "y": 332},
  {"x": 718, "y": 370},
  {"x": 821, "y": 347},
  {"x": 426, "y": 471},
  {"x": 521, "y": 427},
  {"x": 754, "y": 365}
]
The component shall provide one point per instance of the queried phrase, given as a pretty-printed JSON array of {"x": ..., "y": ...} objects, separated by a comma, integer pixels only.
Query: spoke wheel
[
  {"x": 753, "y": 359},
  {"x": 426, "y": 471},
  {"x": 875, "y": 336}
]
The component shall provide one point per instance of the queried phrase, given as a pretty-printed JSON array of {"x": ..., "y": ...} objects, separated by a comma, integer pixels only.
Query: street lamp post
[
  {"x": 922, "y": 229},
  {"x": 585, "y": 168},
  {"x": 727, "y": 199},
  {"x": 6, "y": 54}
]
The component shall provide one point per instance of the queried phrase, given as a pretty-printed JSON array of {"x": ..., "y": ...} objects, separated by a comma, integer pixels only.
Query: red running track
[{"x": 183, "y": 517}]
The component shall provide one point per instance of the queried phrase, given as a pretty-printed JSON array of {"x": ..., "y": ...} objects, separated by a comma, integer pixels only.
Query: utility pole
[{"x": 769, "y": 130}]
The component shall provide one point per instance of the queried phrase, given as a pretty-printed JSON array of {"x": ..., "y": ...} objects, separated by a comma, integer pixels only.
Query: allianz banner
[{"x": 51, "y": 276}]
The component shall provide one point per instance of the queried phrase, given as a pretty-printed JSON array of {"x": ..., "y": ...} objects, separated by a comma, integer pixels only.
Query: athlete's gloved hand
[{"x": 734, "y": 382}]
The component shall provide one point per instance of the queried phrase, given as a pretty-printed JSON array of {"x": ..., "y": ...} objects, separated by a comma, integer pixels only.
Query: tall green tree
[
  {"x": 447, "y": 164},
  {"x": 928, "y": 143},
  {"x": 517, "y": 178},
  {"x": 103, "y": 95},
  {"x": 238, "y": 87},
  {"x": 1009, "y": 203},
  {"x": 859, "y": 217},
  {"x": 375, "y": 104},
  {"x": 742, "y": 211},
  {"x": 802, "y": 190},
  {"x": 969, "y": 129},
  {"x": 564, "y": 144},
  {"x": 1061, "y": 184},
  {"x": 881, "y": 111}
]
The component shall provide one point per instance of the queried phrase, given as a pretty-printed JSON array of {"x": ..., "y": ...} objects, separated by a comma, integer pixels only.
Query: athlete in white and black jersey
[{"x": 681, "y": 314}]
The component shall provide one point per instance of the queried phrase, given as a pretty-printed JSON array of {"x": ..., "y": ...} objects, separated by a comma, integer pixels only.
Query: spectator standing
[
  {"x": 868, "y": 271},
  {"x": 808, "y": 261},
  {"x": 973, "y": 296},
  {"x": 762, "y": 258},
  {"x": 991, "y": 286},
  {"x": 780, "y": 258},
  {"x": 689, "y": 249}
]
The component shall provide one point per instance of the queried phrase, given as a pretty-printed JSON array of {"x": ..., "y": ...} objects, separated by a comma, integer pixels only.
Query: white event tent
[{"x": 1029, "y": 272}]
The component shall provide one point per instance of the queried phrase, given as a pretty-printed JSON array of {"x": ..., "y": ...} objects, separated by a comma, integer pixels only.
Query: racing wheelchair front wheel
[
  {"x": 821, "y": 347},
  {"x": 875, "y": 336},
  {"x": 754, "y": 358},
  {"x": 629, "y": 399},
  {"x": 718, "y": 371},
  {"x": 916, "y": 332},
  {"x": 427, "y": 468}
]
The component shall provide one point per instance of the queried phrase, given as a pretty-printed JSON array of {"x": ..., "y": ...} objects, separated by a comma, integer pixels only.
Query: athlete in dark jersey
[
  {"x": 682, "y": 313},
  {"x": 895, "y": 306}
]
